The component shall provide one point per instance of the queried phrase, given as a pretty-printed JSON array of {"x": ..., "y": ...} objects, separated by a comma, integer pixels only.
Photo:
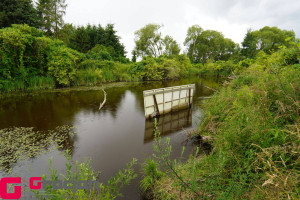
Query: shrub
[
  {"x": 99, "y": 52},
  {"x": 62, "y": 64},
  {"x": 88, "y": 77}
]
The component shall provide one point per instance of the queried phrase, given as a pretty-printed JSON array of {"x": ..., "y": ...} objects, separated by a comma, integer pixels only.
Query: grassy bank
[{"x": 255, "y": 123}]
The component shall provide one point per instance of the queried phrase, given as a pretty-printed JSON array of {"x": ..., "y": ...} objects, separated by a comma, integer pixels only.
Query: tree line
[
  {"x": 38, "y": 50},
  {"x": 204, "y": 45}
]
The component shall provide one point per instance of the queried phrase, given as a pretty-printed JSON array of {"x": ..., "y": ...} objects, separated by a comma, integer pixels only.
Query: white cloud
[{"x": 231, "y": 17}]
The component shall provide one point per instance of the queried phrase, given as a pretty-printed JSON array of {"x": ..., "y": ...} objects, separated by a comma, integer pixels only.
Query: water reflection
[
  {"x": 110, "y": 137},
  {"x": 168, "y": 124},
  {"x": 45, "y": 111}
]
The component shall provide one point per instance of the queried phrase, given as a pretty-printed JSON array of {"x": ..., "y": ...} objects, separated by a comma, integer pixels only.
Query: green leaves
[
  {"x": 267, "y": 39},
  {"x": 51, "y": 13},
  {"x": 62, "y": 64},
  {"x": 83, "y": 172},
  {"x": 18, "y": 12},
  {"x": 207, "y": 45},
  {"x": 149, "y": 42},
  {"x": 100, "y": 43}
]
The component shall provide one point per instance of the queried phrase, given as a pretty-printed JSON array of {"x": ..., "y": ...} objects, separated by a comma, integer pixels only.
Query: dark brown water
[{"x": 110, "y": 137}]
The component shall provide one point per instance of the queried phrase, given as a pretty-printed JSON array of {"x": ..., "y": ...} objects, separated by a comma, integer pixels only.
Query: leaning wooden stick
[{"x": 102, "y": 104}]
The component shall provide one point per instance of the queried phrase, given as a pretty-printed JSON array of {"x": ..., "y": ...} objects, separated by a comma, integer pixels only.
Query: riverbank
[{"x": 254, "y": 121}]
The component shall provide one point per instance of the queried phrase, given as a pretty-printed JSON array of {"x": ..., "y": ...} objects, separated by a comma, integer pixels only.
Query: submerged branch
[
  {"x": 211, "y": 88},
  {"x": 102, "y": 104}
]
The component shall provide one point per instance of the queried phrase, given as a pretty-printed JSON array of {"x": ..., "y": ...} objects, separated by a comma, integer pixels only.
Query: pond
[{"x": 110, "y": 138}]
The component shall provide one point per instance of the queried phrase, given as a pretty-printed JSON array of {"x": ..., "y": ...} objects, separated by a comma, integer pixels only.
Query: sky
[{"x": 231, "y": 17}]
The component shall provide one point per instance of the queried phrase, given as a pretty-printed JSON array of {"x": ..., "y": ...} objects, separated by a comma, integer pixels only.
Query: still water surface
[{"x": 110, "y": 137}]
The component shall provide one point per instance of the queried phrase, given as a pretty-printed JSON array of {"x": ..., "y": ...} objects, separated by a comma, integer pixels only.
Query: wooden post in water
[
  {"x": 189, "y": 97},
  {"x": 155, "y": 106}
]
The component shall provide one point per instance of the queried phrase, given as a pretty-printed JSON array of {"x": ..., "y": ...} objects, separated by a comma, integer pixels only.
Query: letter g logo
[{"x": 17, "y": 189}]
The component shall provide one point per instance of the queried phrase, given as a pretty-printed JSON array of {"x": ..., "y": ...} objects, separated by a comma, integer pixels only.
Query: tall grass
[
  {"x": 40, "y": 82},
  {"x": 31, "y": 83},
  {"x": 255, "y": 123},
  {"x": 88, "y": 77},
  {"x": 255, "y": 146}
]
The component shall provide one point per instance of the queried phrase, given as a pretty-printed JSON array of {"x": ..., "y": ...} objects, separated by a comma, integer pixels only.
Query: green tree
[
  {"x": 100, "y": 52},
  {"x": 249, "y": 45},
  {"x": 133, "y": 56},
  {"x": 171, "y": 47},
  {"x": 80, "y": 41},
  {"x": 191, "y": 40},
  {"x": 86, "y": 38},
  {"x": 65, "y": 33},
  {"x": 267, "y": 39},
  {"x": 208, "y": 45},
  {"x": 113, "y": 40},
  {"x": 18, "y": 12},
  {"x": 51, "y": 13},
  {"x": 148, "y": 41}
]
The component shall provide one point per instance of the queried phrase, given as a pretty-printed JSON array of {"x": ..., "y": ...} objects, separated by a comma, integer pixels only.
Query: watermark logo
[
  {"x": 36, "y": 183},
  {"x": 4, "y": 182}
]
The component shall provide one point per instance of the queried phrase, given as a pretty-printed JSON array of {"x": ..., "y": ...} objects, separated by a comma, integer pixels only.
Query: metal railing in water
[{"x": 164, "y": 100}]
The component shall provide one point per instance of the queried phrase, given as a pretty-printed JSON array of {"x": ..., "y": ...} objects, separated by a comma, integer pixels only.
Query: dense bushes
[
  {"x": 29, "y": 60},
  {"x": 20, "y": 57},
  {"x": 148, "y": 69},
  {"x": 161, "y": 68},
  {"x": 62, "y": 64},
  {"x": 254, "y": 122}
]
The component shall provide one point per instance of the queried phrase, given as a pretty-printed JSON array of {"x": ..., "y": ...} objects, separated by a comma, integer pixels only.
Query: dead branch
[{"x": 102, "y": 104}]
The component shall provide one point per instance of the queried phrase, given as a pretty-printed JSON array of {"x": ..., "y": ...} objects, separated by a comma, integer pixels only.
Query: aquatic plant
[{"x": 20, "y": 143}]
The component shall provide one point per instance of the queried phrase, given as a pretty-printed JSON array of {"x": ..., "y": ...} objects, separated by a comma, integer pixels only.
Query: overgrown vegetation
[
  {"x": 29, "y": 60},
  {"x": 83, "y": 172},
  {"x": 161, "y": 172},
  {"x": 58, "y": 55},
  {"x": 254, "y": 121}
]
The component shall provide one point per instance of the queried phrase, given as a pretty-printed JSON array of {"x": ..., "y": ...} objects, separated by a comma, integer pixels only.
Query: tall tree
[
  {"x": 51, "y": 13},
  {"x": 113, "y": 40},
  {"x": 207, "y": 45},
  {"x": 171, "y": 47},
  {"x": 85, "y": 38},
  {"x": 81, "y": 40},
  {"x": 249, "y": 45},
  {"x": 191, "y": 41},
  {"x": 267, "y": 39},
  {"x": 149, "y": 42},
  {"x": 65, "y": 33},
  {"x": 18, "y": 12}
]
